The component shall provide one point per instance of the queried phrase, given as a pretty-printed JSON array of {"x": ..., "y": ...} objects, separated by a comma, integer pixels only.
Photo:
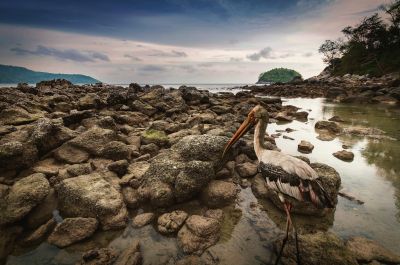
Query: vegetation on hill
[
  {"x": 14, "y": 74},
  {"x": 282, "y": 75},
  {"x": 371, "y": 47}
]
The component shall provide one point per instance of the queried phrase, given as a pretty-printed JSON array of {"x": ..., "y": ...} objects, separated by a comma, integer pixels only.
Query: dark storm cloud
[
  {"x": 68, "y": 54},
  {"x": 160, "y": 21}
]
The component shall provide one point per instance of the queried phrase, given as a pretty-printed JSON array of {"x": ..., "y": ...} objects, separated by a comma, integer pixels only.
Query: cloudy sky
[{"x": 173, "y": 41}]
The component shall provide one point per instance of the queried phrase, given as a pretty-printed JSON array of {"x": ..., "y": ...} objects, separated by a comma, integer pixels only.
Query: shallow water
[{"x": 251, "y": 225}]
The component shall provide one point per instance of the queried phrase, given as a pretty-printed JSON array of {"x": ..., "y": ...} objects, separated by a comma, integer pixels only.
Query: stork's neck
[{"x": 259, "y": 133}]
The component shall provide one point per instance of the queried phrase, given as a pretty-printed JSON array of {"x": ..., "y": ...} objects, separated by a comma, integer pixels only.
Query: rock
[
  {"x": 325, "y": 135},
  {"x": 305, "y": 147},
  {"x": 71, "y": 155},
  {"x": 336, "y": 119},
  {"x": 131, "y": 197},
  {"x": 169, "y": 223},
  {"x": 317, "y": 249},
  {"x": 154, "y": 136},
  {"x": 287, "y": 137},
  {"x": 38, "y": 235},
  {"x": 216, "y": 214},
  {"x": 89, "y": 101},
  {"x": 131, "y": 255},
  {"x": 102, "y": 256},
  {"x": 116, "y": 150},
  {"x": 301, "y": 115},
  {"x": 367, "y": 250},
  {"x": 8, "y": 236},
  {"x": 282, "y": 116},
  {"x": 198, "y": 233},
  {"x": 135, "y": 172},
  {"x": 190, "y": 260},
  {"x": 120, "y": 167},
  {"x": 43, "y": 212},
  {"x": 72, "y": 230},
  {"x": 329, "y": 126},
  {"x": 17, "y": 116},
  {"x": 219, "y": 193},
  {"x": 142, "y": 219},
  {"x": 142, "y": 107},
  {"x": 344, "y": 155},
  {"x": 17, "y": 155},
  {"x": 79, "y": 169},
  {"x": 151, "y": 149},
  {"x": 92, "y": 196},
  {"x": 246, "y": 170},
  {"x": 22, "y": 197}
]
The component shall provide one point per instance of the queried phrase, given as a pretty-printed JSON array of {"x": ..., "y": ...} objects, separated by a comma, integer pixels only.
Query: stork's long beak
[{"x": 243, "y": 129}]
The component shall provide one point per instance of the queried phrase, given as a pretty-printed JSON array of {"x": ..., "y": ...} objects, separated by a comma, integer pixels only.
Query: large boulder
[
  {"x": 344, "y": 155},
  {"x": 92, "y": 196},
  {"x": 22, "y": 197},
  {"x": 330, "y": 126},
  {"x": 72, "y": 230},
  {"x": 17, "y": 155},
  {"x": 317, "y": 249},
  {"x": 198, "y": 234}
]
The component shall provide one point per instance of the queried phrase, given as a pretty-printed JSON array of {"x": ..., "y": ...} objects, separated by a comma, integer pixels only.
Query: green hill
[
  {"x": 14, "y": 74},
  {"x": 282, "y": 75}
]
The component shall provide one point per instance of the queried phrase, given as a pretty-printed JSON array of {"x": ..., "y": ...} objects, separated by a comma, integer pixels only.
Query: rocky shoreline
[
  {"x": 79, "y": 159},
  {"x": 346, "y": 89}
]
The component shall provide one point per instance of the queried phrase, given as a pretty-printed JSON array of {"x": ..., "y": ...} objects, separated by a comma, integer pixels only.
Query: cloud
[
  {"x": 264, "y": 53},
  {"x": 132, "y": 57},
  {"x": 152, "y": 68},
  {"x": 235, "y": 59},
  {"x": 206, "y": 64},
  {"x": 68, "y": 54},
  {"x": 308, "y": 54},
  {"x": 173, "y": 53}
]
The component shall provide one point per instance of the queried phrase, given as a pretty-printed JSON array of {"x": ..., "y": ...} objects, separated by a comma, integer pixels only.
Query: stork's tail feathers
[{"x": 325, "y": 200}]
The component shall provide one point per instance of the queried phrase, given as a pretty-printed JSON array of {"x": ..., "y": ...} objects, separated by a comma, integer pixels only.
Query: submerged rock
[
  {"x": 72, "y": 230},
  {"x": 219, "y": 193},
  {"x": 131, "y": 255},
  {"x": 142, "y": 219},
  {"x": 169, "y": 223},
  {"x": 198, "y": 233},
  {"x": 329, "y": 126},
  {"x": 102, "y": 256}
]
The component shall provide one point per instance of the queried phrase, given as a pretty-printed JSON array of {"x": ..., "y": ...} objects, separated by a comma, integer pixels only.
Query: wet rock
[
  {"x": 246, "y": 170},
  {"x": 131, "y": 255},
  {"x": 8, "y": 236},
  {"x": 305, "y": 147},
  {"x": 79, "y": 169},
  {"x": 336, "y": 119},
  {"x": 190, "y": 260},
  {"x": 344, "y": 155},
  {"x": 43, "y": 211},
  {"x": 142, "y": 219},
  {"x": 120, "y": 167},
  {"x": 287, "y": 137},
  {"x": 198, "y": 233},
  {"x": 135, "y": 172},
  {"x": 169, "y": 223},
  {"x": 72, "y": 230},
  {"x": 317, "y": 249},
  {"x": 92, "y": 196},
  {"x": 143, "y": 107},
  {"x": 283, "y": 116},
  {"x": 131, "y": 197},
  {"x": 17, "y": 116},
  {"x": 76, "y": 117},
  {"x": 242, "y": 158},
  {"x": 71, "y": 155},
  {"x": 325, "y": 135},
  {"x": 301, "y": 115},
  {"x": 102, "y": 256},
  {"x": 89, "y": 101},
  {"x": 367, "y": 250},
  {"x": 329, "y": 126},
  {"x": 219, "y": 193},
  {"x": 22, "y": 197},
  {"x": 17, "y": 155},
  {"x": 38, "y": 235},
  {"x": 216, "y": 214},
  {"x": 367, "y": 132}
]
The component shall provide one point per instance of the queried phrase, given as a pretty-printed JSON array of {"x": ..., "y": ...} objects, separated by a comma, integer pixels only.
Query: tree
[{"x": 331, "y": 51}]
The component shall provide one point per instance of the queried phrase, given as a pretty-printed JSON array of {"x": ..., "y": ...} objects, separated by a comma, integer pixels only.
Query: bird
[{"x": 290, "y": 177}]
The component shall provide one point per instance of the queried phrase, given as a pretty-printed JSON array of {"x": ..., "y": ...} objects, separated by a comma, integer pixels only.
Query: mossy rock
[{"x": 157, "y": 137}]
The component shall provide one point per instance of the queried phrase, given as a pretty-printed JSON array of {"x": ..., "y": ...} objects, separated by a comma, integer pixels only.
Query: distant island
[
  {"x": 14, "y": 74},
  {"x": 278, "y": 75}
]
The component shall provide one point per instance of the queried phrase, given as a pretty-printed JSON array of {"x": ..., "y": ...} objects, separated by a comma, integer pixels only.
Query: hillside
[
  {"x": 281, "y": 75},
  {"x": 14, "y": 74}
]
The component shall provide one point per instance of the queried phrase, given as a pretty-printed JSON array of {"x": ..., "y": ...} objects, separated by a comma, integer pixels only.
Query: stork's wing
[{"x": 289, "y": 184}]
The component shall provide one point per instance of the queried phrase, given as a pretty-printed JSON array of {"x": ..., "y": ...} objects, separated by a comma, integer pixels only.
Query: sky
[{"x": 173, "y": 41}]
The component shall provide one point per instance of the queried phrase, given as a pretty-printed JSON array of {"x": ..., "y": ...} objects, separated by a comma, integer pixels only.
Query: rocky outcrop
[{"x": 169, "y": 223}]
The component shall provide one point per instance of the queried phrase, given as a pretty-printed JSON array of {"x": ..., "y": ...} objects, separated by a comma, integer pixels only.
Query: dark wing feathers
[{"x": 307, "y": 190}]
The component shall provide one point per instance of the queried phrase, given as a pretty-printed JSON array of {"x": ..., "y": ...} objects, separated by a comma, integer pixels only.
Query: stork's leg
[
  {"x": 288, "y": 208},
  {"x": 288, "y": 221}
]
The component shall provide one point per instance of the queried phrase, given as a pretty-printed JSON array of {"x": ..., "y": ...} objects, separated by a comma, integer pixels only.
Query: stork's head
[{"x": 255, "y": 115}]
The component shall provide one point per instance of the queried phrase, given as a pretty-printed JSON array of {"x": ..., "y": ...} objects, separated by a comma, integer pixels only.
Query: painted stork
[{"x": 291, "y": 178}]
